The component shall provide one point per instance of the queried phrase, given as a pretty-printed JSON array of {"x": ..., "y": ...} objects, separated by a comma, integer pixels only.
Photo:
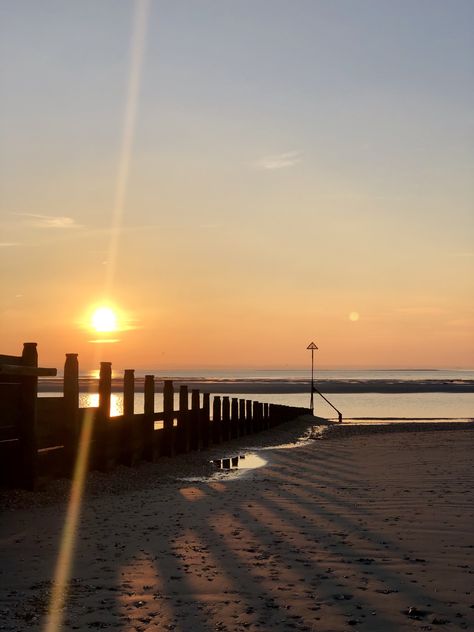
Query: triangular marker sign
[{"x": 311, "y": 346}]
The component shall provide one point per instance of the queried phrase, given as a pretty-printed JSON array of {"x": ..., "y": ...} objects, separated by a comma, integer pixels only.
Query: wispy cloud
[
  {"x": 9, "y": 244},
  {"x": 421, "y": 310},
  {"x": 279, "y": 161},
  {"x": 462, "y": 254},
  {"x": 49, "y": 221}
]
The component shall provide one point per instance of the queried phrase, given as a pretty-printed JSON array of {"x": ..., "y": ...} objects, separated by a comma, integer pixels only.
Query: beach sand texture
[{"x": 370, "y": 532}]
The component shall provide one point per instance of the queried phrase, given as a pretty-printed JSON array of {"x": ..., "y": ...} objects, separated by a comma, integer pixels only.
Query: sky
[{"x": 238, "y": 178}]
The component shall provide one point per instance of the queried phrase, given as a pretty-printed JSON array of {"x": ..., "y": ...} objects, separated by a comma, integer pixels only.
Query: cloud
[
  {"x": 463, "y": 254},
  {"x": 421, "y": 310},
  {"x": 49, "y": 221},
  {"x": 279, "y": 161},
  {"x": 9, "y": 244}
]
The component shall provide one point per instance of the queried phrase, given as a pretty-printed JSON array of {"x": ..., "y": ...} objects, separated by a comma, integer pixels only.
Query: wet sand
[
  {"x": 369, "y": 532},
  {"x": 266, "y": 386}
]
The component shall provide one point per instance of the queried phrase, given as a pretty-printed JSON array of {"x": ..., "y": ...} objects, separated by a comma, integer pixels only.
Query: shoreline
[{"x": 90, "y": 385}]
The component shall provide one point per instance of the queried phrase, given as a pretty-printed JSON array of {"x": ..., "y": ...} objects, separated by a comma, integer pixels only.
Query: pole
[{"x": 312, "y": 347}]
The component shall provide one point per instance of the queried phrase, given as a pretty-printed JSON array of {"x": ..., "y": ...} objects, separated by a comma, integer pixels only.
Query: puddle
[
  {"x": 241, "y": 462},
  {"x": 235, "y": 464}
]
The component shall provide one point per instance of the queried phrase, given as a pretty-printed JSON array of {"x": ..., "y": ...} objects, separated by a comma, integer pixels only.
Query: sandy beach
[{"x": 365, "y": 532}]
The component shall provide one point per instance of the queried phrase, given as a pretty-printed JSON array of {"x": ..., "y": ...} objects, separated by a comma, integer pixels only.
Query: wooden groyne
[{"x": 40, "y": 436}]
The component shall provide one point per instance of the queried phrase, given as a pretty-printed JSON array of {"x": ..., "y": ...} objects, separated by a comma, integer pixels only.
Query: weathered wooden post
[
  {"x": 103, "y": 417},
  {"x": 127, "y": 447},
  {"x": 206, "y": 421},
  {"x": 249, "y": 416},
  {"x": 271, "y": 415},
  {"x": 71, "y": 412},
  {"x": 255, "y": 417},
  {"x": 226, "y": 418},
  {"x": 234, "y": 418},
  {"x": 195, "y": 412},
  {"x": 242, "y": 428},
  {"x": 27, "y": 421},
  {"x": 148, "y": 421},
  {"x": 184, "y": 428},
  {"x": 216, "y": 419},
  {"x": 266, "y": 420},
  {"x": 168, "y": 415}
]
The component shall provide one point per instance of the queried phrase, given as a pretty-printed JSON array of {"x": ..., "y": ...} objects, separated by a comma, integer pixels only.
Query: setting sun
[{"x": 104, "y": 320}]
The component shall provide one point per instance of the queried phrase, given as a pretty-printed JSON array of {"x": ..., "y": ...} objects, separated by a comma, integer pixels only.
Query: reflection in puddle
[
  {"x": 241, "y": 462},
  {"x": 236, "y": 464}
]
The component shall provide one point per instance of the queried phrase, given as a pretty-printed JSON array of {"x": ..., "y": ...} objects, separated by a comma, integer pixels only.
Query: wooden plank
[
  {"x": 50, "y": 422},
  {"x": 10, "y": 401},
  {"x": 10, "y": 359},
  {"x": 26, "y": 371}
]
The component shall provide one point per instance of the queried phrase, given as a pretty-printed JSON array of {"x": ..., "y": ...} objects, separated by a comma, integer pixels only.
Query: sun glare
[{"x": 104, "y": 320}]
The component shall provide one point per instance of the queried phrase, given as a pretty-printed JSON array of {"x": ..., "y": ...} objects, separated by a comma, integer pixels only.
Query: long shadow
[{"x": 155, "y": 554}]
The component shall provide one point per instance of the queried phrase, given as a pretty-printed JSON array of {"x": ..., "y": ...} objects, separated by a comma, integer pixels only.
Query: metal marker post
[{"x": 312, "y": 347}]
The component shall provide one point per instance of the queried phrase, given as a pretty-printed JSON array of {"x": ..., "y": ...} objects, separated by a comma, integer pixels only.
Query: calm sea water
[
  {"x": 290, "y": 375},
  {"x": 354, "y": 406}
]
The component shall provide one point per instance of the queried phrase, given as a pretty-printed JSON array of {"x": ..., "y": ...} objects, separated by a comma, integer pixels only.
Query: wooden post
[
  {"x": 248, "y": 416},
  {"x": 242, "y": 428},
  {"x": 257, "y": 415},
  {"x": 149, "y": 422},
  {"x": 103, "y": 434},
  {"x": 71, "y": 412},
  {"x": 127, "y": 448},
  {"x": 226, "y": 418},
  {"x": 168, "y": 410},
  {"x": 206, "y": 421},
  {"x": 27, "y": 421},
  {"x": 184, "y": 436},
  {"x": 271, "y": 415},
  {"x": 216, "y": 419},
  {"x": 128, "y": 392},
  {"x": 234, "y": 424},
  {"x": 266, "y": 421},
  {"x": 195, "y": 434}
]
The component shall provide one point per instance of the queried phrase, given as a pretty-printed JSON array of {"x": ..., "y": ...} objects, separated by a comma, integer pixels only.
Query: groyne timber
[{"x": 41, "y": 437}]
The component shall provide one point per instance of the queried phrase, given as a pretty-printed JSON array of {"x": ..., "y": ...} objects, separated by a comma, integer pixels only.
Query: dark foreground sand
[{"x": 370, "y": 532}]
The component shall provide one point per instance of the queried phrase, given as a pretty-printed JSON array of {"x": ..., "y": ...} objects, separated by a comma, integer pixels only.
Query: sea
[{"x": 360, "y": 408}]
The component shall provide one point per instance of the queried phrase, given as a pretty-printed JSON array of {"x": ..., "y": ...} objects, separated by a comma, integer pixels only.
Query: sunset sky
[{"x": 236, "y": 179}]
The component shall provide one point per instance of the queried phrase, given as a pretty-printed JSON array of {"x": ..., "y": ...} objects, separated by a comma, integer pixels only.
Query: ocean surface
[
  {"x": 355, "y": 407},
  {"x": 302, "y": 375}
]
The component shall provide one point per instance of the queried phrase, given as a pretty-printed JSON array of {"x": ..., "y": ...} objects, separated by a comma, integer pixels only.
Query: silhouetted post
[
  {"x": 256, "y": 417},
  {"x": 71, "y": 412},
  {"x": 271, "y": 415},
  {"x": 266, "y": 421},
  {"x": 242, "y": 428},
  {"x": 127, "y": 449},
  {"x": 260, "y": 416},
  {"x": 248, "y": 416},
  {"x": 216, "y": 419},
  {"x": 103, "y": 434},
  {"x": 149, "y": 421},
  {"x": 27, "y": 421},
  {"x": 168, "y": 414},
  {"x": 206, "y": 421},
  {"x": 195, "y": 419},
  {"x": 226, "y": 418},
  {"x": 184, "y": 437},
  {"x": 312, "y": 347},
  {"x": 234, "y": 415}
]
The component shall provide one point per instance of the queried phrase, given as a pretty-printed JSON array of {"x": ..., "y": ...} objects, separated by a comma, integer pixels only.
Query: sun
[{"x": 104, "y": 319}]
